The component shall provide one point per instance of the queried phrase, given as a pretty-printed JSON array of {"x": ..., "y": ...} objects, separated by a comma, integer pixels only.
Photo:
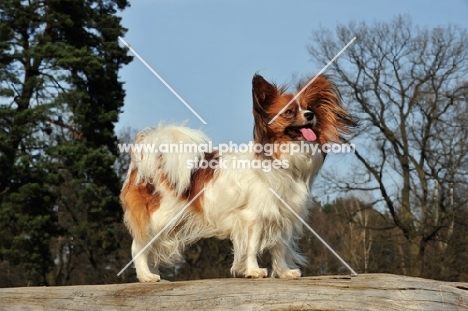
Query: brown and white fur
[{"x": 237, "y": 203}]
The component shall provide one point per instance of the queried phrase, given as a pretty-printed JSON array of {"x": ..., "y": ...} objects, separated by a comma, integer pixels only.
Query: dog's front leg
[
  {"x": 281, "y": 261},
  {"x": 252, "y": 269}
]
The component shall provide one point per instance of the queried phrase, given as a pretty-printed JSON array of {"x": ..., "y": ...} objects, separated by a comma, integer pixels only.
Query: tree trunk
[{"x": 363, "y": 292}]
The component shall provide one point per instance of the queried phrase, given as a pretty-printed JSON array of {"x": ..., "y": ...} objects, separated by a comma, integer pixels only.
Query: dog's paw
[
  {"x": 290, "y": 274},
  {"x": 149, "y": 277},
  {"x": 256, "y": 273}
]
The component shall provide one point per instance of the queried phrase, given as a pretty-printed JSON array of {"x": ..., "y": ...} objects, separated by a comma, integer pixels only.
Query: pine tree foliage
[{"x": 60, "y": 96}]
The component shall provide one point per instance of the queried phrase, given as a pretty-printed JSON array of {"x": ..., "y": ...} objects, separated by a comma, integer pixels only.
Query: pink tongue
[{"x": 308, "y": 134}]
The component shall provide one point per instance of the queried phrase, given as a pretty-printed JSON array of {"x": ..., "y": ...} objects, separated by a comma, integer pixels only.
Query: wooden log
[{"x": 362, "y": 292}]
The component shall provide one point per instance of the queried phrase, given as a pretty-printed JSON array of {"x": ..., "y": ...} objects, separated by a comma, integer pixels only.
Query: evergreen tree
[{"x": 60, "y": 97}]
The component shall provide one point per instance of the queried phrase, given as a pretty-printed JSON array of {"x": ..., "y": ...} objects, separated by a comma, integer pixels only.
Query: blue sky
[{"x": 208, "y": 51}]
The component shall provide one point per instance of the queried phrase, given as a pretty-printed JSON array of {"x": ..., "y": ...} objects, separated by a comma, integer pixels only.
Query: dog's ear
[
  {"x": 263, "y": 94},
  {"x": 333, "y": 120}
]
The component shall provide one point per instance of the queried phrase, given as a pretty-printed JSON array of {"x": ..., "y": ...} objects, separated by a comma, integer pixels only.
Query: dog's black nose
[{"x": 309, "y": 115}]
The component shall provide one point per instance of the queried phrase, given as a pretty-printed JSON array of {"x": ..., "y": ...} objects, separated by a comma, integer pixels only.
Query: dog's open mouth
[{"x": 304, "y": 132}]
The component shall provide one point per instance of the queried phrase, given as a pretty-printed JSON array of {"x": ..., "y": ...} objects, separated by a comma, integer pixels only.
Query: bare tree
[
  {"x": 360, "y": 238},
  {"x": 409, "y": 87}
]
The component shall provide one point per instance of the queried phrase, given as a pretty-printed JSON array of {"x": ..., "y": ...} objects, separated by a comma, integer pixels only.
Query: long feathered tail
[{"x": 162, "y": 155}]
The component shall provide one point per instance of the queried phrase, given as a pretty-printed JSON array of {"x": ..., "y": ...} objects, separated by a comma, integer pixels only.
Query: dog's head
[{"x": 314, "y": 113}]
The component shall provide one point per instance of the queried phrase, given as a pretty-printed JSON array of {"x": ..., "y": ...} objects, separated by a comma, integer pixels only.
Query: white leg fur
[
  {"x": 252, "y": 268},
  {"x": 281, "y": 269},
  {"x": 141, "y": 264}
]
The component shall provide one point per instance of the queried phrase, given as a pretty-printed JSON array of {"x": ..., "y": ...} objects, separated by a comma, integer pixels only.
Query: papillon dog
[{"x": 166, "y": 195}]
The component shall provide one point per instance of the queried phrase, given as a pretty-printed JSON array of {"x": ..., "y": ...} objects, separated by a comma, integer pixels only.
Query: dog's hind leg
[{"x": 141, "y": 263}]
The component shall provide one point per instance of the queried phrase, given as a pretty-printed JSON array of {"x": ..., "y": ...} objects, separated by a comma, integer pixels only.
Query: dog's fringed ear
[
  {"x": 333, "y": 120},
  {"x": 263, "y": 94}
]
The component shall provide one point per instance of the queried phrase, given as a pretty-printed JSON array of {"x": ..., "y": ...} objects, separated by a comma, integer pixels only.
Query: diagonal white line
[
  {"x": 162, "y": 80},
  {"x": 313, "y": 231},
  {"x": 312, "y": 80},
  {"x": 162, "y": 230}
]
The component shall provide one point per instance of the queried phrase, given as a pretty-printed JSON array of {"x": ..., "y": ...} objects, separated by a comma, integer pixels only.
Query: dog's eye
[{"x": 288, "y": 112}]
